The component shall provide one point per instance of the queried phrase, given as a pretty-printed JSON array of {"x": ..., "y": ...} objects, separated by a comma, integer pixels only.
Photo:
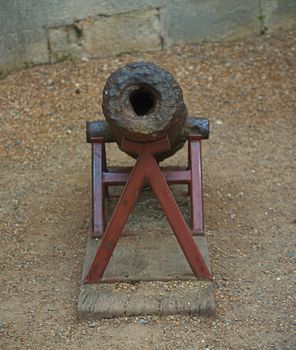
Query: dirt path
[{"x": 248, "y": 91}]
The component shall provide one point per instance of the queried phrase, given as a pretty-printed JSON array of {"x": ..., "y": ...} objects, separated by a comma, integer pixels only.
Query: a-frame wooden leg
[
  {"x": 98, "y": 214},
  {"x": 117, "y": 222},
  {"x": 177, "y": 222},
  {"x": 195, "y": 187},
  {"x": 146, "y": 167}
]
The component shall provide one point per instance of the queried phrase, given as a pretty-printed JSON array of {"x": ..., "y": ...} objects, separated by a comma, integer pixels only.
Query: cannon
[
  {"x": 147, "y": 117},
  {"x": 143, "y": 103}
]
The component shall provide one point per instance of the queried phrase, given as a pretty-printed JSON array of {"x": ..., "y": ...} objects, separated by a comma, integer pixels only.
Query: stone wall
[{"x": 42, "y": 31}]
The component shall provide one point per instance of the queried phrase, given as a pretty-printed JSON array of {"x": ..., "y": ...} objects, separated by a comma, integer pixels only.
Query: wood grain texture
[{"x": 138, "y": 260}]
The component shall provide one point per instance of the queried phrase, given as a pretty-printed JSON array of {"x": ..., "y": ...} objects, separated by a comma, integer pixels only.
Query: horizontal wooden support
[
  {"x": 193, "y": 126},
  {"x": 120, "y": 177}
]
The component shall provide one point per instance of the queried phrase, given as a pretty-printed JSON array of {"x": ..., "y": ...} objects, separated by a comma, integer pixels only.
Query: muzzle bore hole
[{"x": 143, "y": 101}]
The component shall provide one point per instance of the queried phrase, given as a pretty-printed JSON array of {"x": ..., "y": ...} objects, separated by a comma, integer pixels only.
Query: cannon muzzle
[{"x": 143, "y": 103}]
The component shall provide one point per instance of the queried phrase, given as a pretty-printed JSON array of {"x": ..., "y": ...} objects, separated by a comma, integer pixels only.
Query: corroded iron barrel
[{"x": 143, "y": 102}]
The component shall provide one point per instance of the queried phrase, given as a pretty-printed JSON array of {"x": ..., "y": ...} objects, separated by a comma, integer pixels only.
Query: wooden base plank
[
  {"x": 148, "y": 270},
  {"x": 103, "y": 301},
  {"x": 150, "y": 276}
]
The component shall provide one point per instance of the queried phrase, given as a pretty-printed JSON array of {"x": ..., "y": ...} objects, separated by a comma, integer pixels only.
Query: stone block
[
  {"x": 278, "y": 14},
  {"x": 32, "y": 14},
  {"x": 8, "y": 17},
  {"x": 66, "y": 11},
  {"x": 32, "y": 46},
  {"x": 8, "y": 49},
  {"x": 100, "y": 28},
  {"x": 22, "y": 49},
  {"x": 198, "y": 21},
  {"x": 102, "y": 36}
]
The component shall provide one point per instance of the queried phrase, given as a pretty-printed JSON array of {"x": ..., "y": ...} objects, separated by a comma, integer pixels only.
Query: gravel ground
[{"x": 248, "y": 91}]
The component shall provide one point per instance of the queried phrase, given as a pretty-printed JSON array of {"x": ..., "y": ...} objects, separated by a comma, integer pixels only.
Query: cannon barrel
[
  {"x": 143, "y": 103},
  {"x": 96, "y": 129}
]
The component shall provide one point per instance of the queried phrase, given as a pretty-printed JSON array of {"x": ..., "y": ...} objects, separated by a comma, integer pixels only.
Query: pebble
[
  {"x": 142, "y": 321},
  {"x": 292, "y": 255}
]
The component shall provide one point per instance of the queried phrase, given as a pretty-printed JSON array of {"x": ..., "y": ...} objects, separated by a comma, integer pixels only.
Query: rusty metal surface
[
  {"x": 97, "y": 129},
  {"x": 193, "y": 126},
  {"x": 143, "y": 103},
  {"x": 196, "y": 126}
]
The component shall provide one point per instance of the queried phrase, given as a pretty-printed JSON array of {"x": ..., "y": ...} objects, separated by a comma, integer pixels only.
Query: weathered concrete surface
[
  {"x": 278, "y": 14},
  {"x": 106, "y": 35},
  {"x": 198, "y": 21},
  {"x": 39, "y": 31},
  {"x": 22, "y": 49}
]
